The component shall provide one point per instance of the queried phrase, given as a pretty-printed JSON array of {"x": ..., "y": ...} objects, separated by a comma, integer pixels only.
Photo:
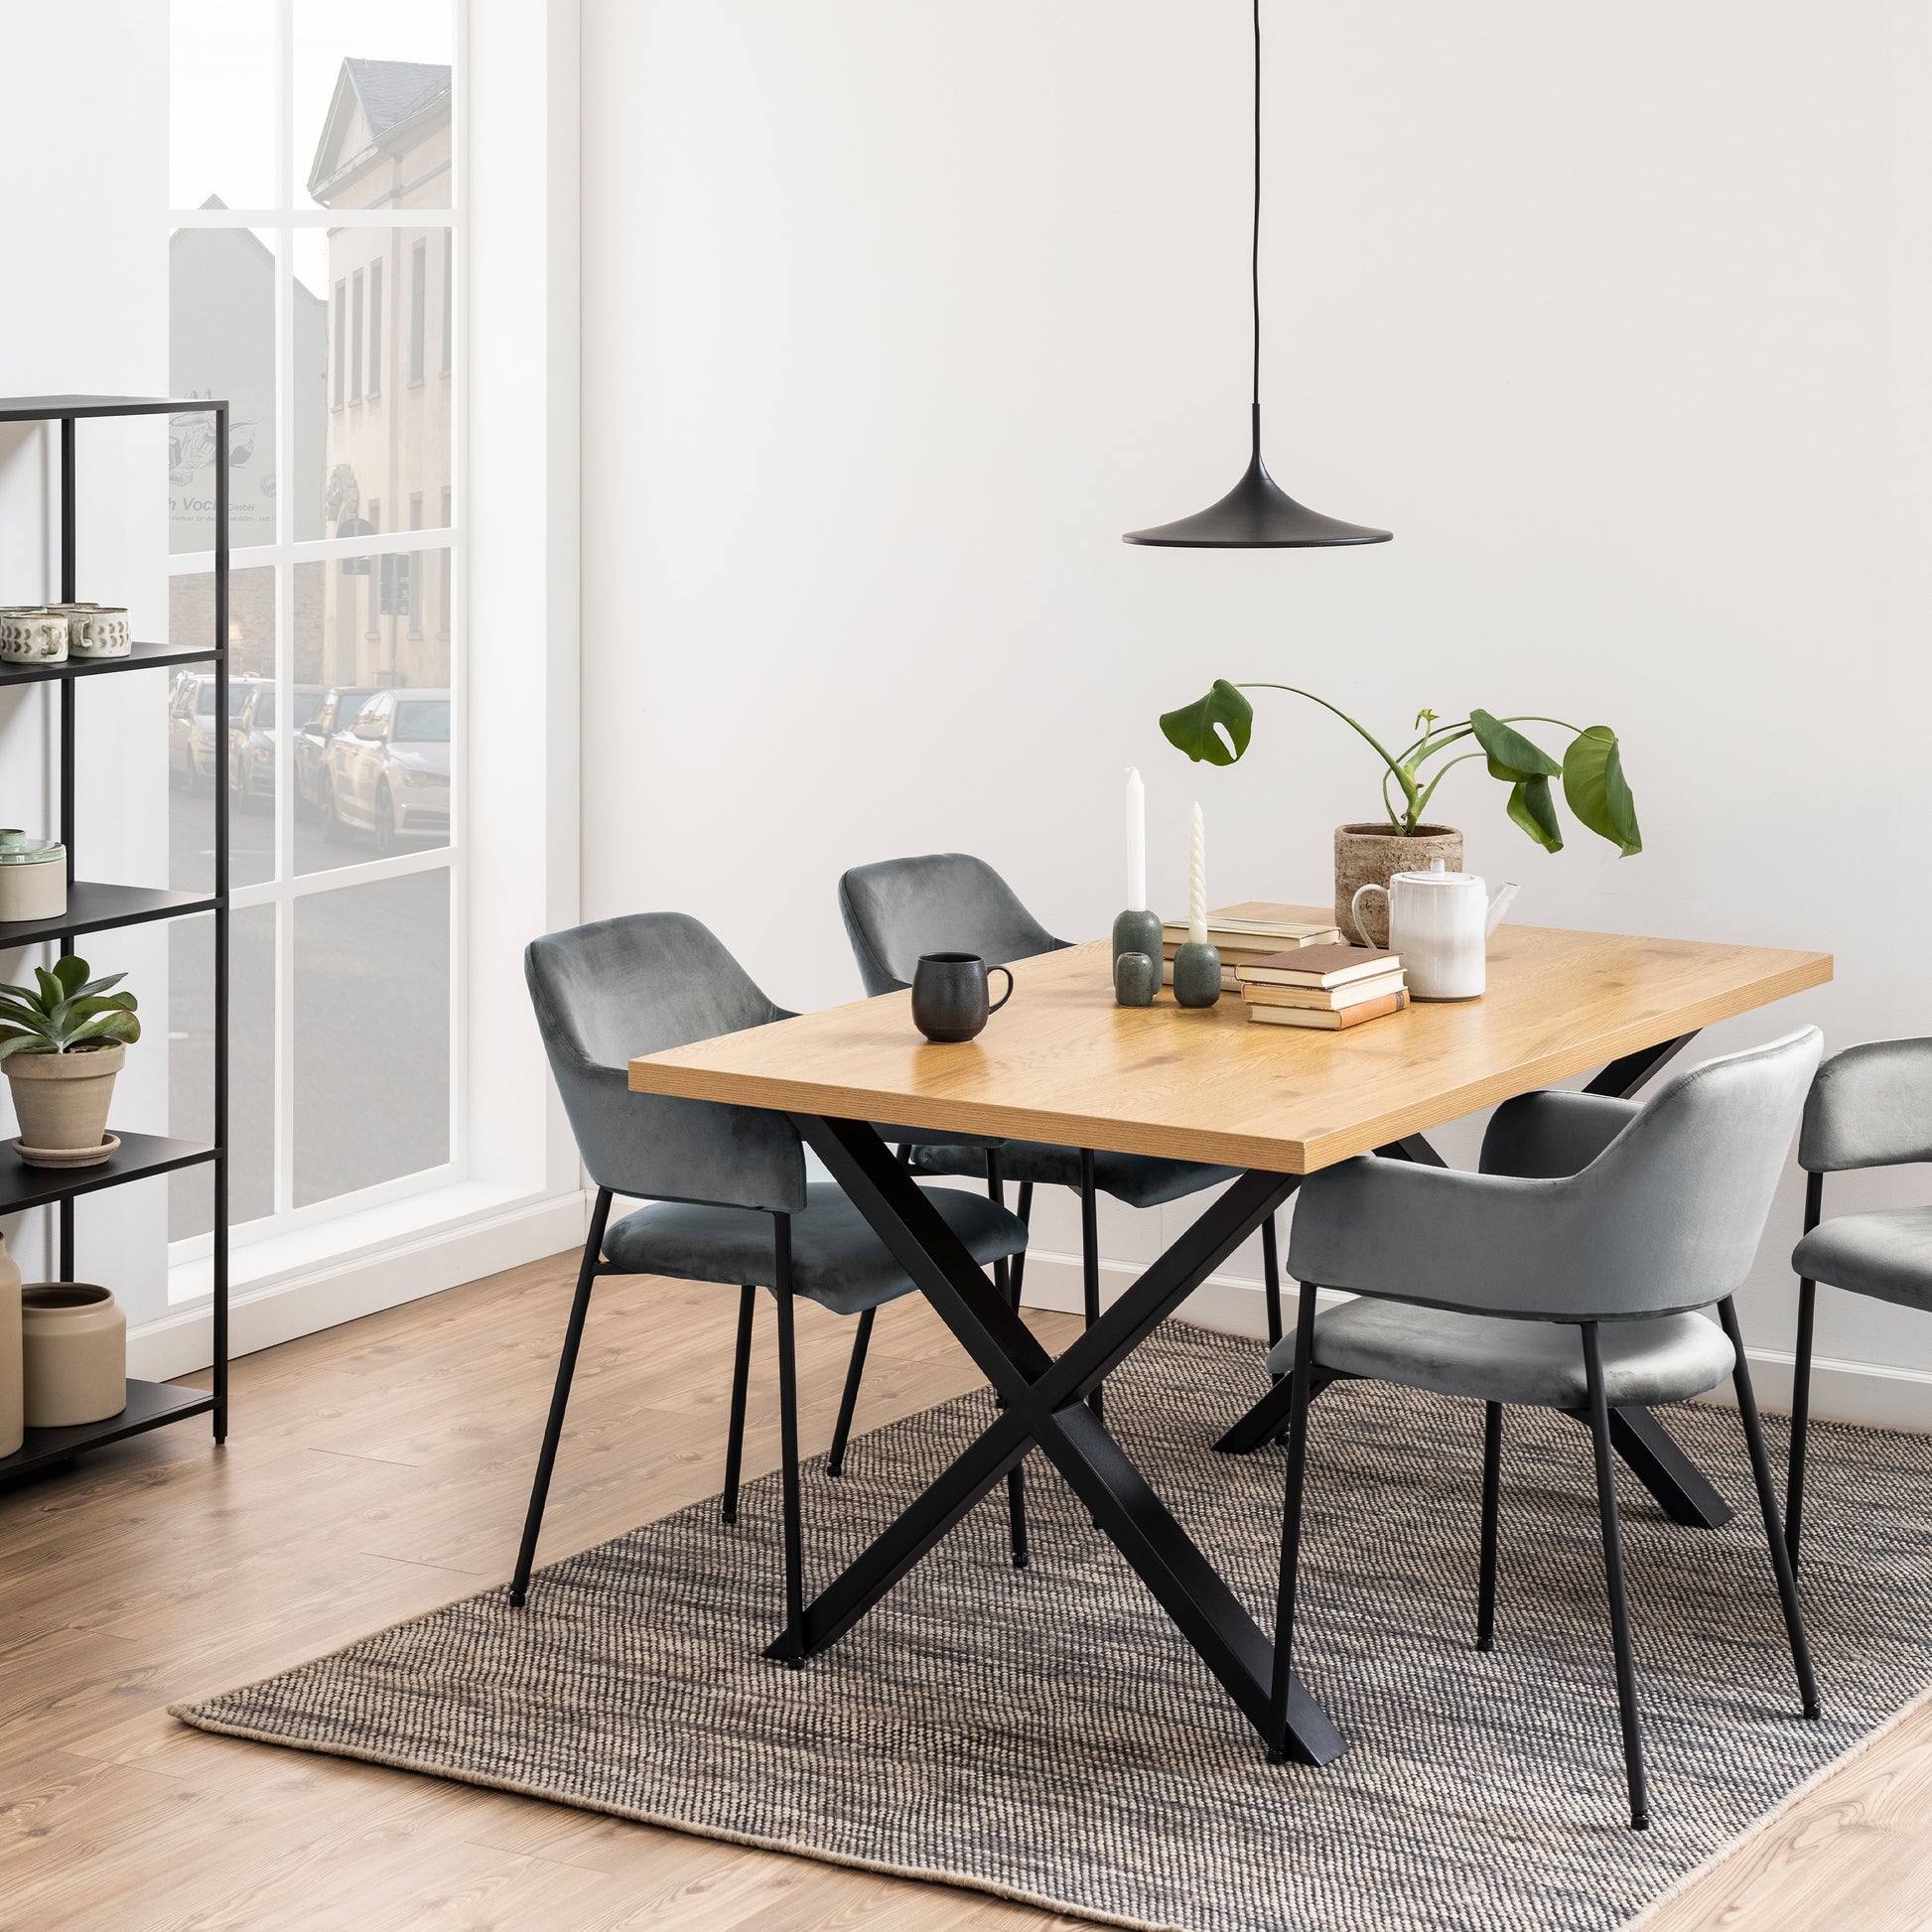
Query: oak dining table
[{"x": 1063, "y": 1062}]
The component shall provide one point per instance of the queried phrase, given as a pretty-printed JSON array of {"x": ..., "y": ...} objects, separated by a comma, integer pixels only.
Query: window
[
  {"x": 442, "y": 576},
  {"x": 375, "y": 327},
  {"x": 295, "y": 203},
  {"x": 342, "y": 328},
  {"x": 418, "y": 294},
  {"x": 449, "y": 299}
]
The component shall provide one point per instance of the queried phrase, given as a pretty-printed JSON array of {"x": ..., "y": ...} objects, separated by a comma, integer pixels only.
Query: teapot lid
[{"x": 1440, "y": 875}]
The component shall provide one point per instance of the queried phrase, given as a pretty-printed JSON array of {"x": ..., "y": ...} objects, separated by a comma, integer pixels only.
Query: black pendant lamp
[{"x": 1257, "y": 514}]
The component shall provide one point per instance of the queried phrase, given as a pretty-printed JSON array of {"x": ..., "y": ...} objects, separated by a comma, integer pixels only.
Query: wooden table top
[{"x": 1063, "y": 1062}]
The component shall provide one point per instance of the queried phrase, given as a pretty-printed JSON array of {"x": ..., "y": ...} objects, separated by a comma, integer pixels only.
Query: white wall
[
  {"x": 86, "y": 309},
  {"x": 896, "y": 317}
]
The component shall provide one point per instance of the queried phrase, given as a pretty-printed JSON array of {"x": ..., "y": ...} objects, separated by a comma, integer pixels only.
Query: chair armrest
[
  {"x": 1538, "y": 1136},
  {"x": 1870, "y": 1106},
  {"x": 1562, "y": 1249}
]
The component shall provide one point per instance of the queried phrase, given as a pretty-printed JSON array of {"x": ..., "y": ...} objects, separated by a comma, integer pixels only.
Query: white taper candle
[
  {"x": 1136, "y": 842},
  {"x": 1197, "y": 880}
]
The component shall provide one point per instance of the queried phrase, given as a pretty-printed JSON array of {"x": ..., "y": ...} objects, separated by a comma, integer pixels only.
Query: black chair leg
[
  {"x": 748, "y": 1301},
  {"x": 1626, "y": 1672},
  {"x": 849, "y": 1401},
  {"x": 1297, "y": 1443},
  {"x": 1024, "y": 1208},
  {"x": 1006, "y": 1280},
  {"x": 1794, "y": 1486},
  {"x": 1492, "y": 1473},
  {"x": 553, "y": 1429},
  {"x": 1090, "y": 1257},
  {"x": 788, "y": 1449},
  {"x": 1781, "y": 1565},
  {"x": 1271, "y": 1281}
]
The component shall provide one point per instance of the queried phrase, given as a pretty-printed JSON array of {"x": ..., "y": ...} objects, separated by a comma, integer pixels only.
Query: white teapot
[{"x": 1439, "y": 922}]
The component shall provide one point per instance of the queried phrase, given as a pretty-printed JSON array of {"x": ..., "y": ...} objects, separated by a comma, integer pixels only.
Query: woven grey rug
[{"x": 1048, "y": 1737}]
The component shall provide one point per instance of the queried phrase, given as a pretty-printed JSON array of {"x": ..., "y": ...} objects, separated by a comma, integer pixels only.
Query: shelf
[
  {"x": 149, "y": 1406},
  {"x": 143, "y": 657},
  {"x": 93, "y": 909},
  {"x": 137, "y": 1157},
  {"x": 51, "y": 409}
]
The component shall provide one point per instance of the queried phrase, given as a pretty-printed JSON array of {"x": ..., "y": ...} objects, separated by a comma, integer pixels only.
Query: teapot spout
[{"x": 1499, "y": 906}]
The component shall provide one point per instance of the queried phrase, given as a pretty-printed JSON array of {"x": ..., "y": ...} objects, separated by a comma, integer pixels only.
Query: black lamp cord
[{"x": 1254, "y": 256}]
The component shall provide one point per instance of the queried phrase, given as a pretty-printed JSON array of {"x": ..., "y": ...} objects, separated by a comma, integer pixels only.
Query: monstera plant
[{"x": 1216, "y": 729}]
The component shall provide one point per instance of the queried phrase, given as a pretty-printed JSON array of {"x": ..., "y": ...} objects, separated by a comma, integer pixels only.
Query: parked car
[
  {"x": 390, "y": 773},
  {"x": 251, "y": 741},
  {"x": 193, "y": 753},
  {"x": 336, "y": 713}
]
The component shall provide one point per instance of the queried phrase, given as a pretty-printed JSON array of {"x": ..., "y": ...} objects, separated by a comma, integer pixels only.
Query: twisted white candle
[
  {"x": 1197, "y": 882},
  {"x": 1136, "y": 842}
]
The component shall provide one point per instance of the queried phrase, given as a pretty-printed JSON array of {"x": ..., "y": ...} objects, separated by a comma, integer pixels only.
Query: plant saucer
[{"x": 68, "y": 1157}]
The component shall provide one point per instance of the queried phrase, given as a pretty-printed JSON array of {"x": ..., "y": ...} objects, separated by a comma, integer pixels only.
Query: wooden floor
[{"x": 381, "y": 1470}]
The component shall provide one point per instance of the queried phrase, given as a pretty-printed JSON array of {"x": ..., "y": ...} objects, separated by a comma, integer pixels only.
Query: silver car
[
  {"x": 390, "y": 773},
  {"x": 194, "y": 749}
]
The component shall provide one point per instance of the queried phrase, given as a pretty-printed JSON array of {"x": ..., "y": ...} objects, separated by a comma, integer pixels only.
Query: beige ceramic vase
[
  {"x": 1371, "y": 855},
  {"x": 73, "y": 1354},
  {"x": 62, "y": 1100},
  {"x": 12, "y": 1418}
]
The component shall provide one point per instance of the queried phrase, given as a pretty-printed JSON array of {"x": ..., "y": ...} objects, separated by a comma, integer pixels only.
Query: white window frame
[{"x": 287, "y": 889}]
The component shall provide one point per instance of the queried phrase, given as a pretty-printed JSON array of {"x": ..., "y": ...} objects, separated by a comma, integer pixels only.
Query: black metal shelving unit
[{"x": 95, "y": 907}]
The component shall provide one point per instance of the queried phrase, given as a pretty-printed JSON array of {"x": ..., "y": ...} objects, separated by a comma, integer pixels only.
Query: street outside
[{"x": 371, "y": 1050}]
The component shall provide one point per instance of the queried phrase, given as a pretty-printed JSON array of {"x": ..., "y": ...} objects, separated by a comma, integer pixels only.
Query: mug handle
[
  {"x": 1008, "y": 994},
  {"x": 1355, "y": 907}
]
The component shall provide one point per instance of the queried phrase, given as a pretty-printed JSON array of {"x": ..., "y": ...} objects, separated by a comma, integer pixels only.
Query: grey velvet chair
[
  {"x": 1568, "y": 1274},
  {"x": 1870, "y": 1107},
  {"x": 951, "y": 901},
  {"x": 729, "y": 1199}
]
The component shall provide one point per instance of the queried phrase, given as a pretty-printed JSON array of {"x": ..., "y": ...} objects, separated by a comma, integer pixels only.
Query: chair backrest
[
  {"x": 1870, "y": 1107},
  {"x": 616, "y": 988},
  {"x": 1669, "y": 1215},
  {"x": 946, "y": 901}
]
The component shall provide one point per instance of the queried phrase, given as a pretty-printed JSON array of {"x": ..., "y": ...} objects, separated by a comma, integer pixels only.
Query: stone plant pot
[
  {"x": 1371, "y": 855},
  {"x": 73, "y": 1354},
  {"x": 61, "y": 1099}
]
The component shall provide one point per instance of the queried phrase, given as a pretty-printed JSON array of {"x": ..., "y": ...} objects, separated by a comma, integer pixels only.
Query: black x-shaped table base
[{"x": 1044, "y": 1405}]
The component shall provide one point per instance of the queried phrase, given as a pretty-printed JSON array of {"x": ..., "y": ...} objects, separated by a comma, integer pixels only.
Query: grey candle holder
[
  {"x": 1137, "y": 931},
  {"x": 1196, "y": 975},
  {"x": 1136, "y": 978}
]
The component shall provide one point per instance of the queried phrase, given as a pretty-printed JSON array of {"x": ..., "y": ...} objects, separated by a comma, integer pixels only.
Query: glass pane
[
  {"x": 221, "y": 342},
  {"x": 221, "y": 103},
  {"x": 191, "y": 747},
  {"x": 252, "y": 1064},
  {"x": 373, "y": 102},
  {"x": 371, "y": 1034}
]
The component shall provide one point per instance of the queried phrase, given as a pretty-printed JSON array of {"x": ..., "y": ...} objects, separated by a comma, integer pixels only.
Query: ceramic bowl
[{"x": 32, "y": 636}]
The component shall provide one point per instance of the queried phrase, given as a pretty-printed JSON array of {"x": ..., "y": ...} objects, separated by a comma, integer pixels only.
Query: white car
[{"x": 390, "y": 773}]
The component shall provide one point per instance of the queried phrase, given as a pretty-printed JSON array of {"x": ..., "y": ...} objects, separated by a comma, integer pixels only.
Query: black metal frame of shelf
[{"x": 93, "y": 907}]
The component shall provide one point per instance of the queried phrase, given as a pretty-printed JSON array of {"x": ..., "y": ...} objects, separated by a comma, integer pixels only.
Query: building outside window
[{"x": 314, "y": 154}]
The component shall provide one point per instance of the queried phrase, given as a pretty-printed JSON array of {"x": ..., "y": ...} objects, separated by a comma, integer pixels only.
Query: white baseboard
[
  {"x": 346, "y": 1289},
  {"x": 1873, "y": 1394}
]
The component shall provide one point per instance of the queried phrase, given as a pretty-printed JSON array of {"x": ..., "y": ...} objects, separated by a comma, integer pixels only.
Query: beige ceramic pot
[
  {"x": 73, "y": 1354},
  {"x": 61, "y": 1099},
  {"x": 11, "y": 1414},
  {"x": 1371, "y": 855},
  {"x": 32, "y": 877}
]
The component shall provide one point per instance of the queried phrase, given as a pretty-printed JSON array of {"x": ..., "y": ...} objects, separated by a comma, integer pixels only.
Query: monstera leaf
[
  {"x": 1512, "y": 756},
  {"x": 1533, "y": 808},
  {"x": 1207, "y": 729},
  {"x": 1598, "y": 792}
]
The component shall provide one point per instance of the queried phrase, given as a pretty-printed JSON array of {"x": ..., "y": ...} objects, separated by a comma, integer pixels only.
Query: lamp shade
[{"x": 1257, "y": 515}]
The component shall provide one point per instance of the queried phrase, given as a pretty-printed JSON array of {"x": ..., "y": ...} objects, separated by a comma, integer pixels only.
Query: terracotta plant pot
[
  {"x": 73, "y": 1354},
  {"x": 1371, "y": 855},
  {"x": 61, "y": 1099}
]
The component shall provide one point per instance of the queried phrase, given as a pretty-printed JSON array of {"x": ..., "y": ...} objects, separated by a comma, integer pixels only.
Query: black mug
[{"x": 949, "y": 995}]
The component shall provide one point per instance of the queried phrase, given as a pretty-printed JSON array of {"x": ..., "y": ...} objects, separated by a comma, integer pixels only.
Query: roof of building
[{"x": 393, "y": 100}]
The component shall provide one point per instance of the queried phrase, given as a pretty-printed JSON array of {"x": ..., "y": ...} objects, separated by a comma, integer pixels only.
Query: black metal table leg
[{"x": 1046, "y": 1406}]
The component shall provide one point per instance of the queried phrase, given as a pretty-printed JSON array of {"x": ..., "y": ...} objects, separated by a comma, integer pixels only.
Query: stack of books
[
  {"x": 1328, "y": 986},
  {"x": 1238, "y": 940}
]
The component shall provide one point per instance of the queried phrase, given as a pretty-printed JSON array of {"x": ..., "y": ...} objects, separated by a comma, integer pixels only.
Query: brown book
[
  {"x": 1319, "y": 966},
  {"x": 1331, "y": 1021},
  {"x": 1336, "y": 998},
  {"x": 1255, "y": 936}
]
